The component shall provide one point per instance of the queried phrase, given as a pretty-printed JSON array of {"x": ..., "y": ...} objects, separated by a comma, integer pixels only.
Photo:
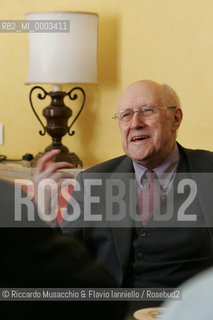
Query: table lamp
[{"x": 62, "y": 50}]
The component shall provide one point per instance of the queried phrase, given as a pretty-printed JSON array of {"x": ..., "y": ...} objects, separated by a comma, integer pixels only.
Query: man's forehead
[{"x": 140, "y": 94}]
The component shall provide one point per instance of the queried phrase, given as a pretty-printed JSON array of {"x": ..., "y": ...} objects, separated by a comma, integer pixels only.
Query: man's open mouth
[{"x": 139, "y": 138}]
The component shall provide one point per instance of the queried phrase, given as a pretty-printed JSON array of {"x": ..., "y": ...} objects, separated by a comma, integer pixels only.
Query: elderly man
[{"x": 143, "y": 255}]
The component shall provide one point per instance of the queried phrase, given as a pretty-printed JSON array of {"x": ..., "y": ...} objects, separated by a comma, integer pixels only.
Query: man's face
[{"x": 147, "y": 141}]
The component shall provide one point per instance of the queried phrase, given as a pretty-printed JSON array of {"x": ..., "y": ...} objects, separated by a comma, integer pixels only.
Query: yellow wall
[{"x": 167, "y": 41}]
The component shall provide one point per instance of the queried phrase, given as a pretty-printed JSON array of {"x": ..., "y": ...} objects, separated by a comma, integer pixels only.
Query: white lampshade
[{"x": 68, "y": 57}]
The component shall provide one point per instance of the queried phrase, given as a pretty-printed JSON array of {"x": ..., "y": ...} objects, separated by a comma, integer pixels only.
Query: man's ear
[{"x": 177, "y": 118}]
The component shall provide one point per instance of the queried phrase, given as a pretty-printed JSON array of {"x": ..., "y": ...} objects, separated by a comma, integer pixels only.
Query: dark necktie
[{"x": 149, "y": 197}]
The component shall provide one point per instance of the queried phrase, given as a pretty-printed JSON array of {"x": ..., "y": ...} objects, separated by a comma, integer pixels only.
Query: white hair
[{"x": 170, "y": 97}]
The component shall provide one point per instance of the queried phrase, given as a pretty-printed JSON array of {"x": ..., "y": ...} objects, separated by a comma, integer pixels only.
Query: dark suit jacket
[
  {"x": 112, "y": 246},
  {"x": 36, "y": 256}
]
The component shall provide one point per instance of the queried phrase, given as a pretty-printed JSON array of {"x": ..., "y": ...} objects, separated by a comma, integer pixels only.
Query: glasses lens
[
  {"x": 125, "y": 115},
  {"x": 148, "y": 111}
]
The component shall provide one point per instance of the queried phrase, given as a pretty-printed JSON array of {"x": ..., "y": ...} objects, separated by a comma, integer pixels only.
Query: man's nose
[{"x": 137, "y": 120}]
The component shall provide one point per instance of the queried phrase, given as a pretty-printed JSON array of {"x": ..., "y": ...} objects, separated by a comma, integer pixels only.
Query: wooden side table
[{"x": 11, "y": 170}]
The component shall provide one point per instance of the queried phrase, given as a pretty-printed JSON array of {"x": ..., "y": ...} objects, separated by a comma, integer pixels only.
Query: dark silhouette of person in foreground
[{"x": 34, "y": 255}]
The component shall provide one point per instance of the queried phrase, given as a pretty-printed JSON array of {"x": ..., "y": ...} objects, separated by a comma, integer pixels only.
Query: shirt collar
[{"x": 164, "y": 171}]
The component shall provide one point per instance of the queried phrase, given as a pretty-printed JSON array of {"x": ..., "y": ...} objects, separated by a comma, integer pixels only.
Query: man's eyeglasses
[{"x": 144, "y": 111}]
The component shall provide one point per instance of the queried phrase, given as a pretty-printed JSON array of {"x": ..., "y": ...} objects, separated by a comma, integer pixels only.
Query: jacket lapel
[
  {"x": 201, "y": 171},
  {"x": 122, "y": 232}
]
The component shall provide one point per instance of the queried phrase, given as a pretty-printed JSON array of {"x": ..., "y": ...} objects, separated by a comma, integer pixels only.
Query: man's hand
[{"x": 48, "y": 172}]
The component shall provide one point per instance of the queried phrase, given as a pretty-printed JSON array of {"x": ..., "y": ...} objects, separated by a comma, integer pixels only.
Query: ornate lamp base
[{"x": 57, "y": 115}]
